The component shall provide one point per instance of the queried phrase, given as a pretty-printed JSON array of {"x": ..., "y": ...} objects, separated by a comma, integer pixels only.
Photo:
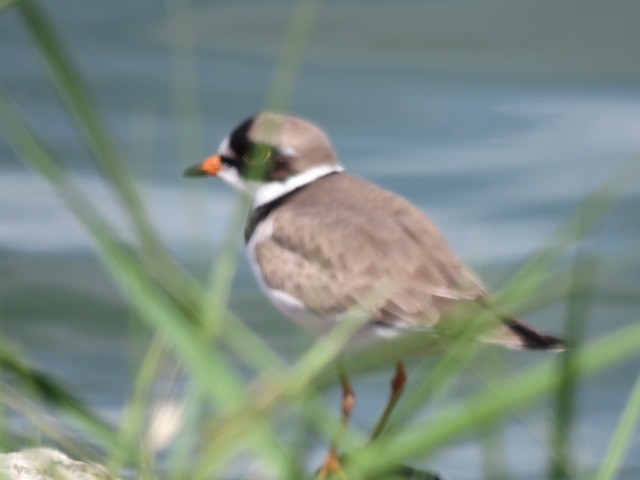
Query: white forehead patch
[{"x": 225, "y": 149}]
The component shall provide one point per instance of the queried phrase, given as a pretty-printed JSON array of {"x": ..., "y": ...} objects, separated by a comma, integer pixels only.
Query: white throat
[{"x": 269, "y": 191}]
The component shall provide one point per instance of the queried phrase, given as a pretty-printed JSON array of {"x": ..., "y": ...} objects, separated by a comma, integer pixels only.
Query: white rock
[{"x": 48, "y": 464}]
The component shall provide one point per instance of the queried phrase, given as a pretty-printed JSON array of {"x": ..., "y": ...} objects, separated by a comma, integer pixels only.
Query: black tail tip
[{"x": 533, "y": 339}]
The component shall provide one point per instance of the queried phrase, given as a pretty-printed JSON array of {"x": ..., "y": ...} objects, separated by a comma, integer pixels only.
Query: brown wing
[{"x": 374, "y": 249}]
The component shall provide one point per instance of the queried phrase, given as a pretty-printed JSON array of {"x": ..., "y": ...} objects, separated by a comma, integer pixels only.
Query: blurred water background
[{"x": 496, "y": 117}]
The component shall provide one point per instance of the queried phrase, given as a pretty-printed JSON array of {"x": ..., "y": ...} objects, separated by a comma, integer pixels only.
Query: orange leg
[
  {"x": 397, "y": 387},
  {"x": 331, "y": 465}
]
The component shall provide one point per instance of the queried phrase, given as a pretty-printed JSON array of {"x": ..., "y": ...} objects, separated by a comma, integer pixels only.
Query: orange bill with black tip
[{"x": 209, "y": 167}]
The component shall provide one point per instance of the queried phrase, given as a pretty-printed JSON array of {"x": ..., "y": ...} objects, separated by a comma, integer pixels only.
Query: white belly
[{"x": 290, "y": 306}]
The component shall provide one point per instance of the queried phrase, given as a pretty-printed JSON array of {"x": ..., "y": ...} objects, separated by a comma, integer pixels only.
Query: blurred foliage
[{"x": 221, "y": 418}]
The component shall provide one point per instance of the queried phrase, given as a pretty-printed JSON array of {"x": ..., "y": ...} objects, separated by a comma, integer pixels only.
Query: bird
[{"x": 322, "y": 242}]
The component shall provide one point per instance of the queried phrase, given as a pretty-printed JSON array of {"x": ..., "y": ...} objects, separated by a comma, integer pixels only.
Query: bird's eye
[{"x": 258, "y": 155}]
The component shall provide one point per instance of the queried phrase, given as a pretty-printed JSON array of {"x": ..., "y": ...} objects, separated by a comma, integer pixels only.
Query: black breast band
[{"x": 260, "y": 213}]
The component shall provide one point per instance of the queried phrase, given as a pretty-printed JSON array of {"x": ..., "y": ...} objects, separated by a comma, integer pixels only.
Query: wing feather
[{"x": 374, "y": 249}]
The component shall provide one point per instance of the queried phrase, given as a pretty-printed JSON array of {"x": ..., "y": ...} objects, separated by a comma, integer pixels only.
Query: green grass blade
[
  {"x": 134, "y": 423},
  {"x": 269, "y": 392},
  {"x": 279, "y": 97},
  {"x": 529, "y": 278},
  {"x": 292, "y": 51},
  {"x": 169, "y": 299},
  {"x": 5, "y": 3},
  {"x": 221, "y": 384},
  {"x": 36, "y": 154},
  {"x": 488, "y": 406},
  {"x": 524, "y": 284},
  {"x": 53, "y": 393},
  {"x": 75, "y": 97},
  {"x": 619, "y": 446},
  {"x": 206, "y": 364},
  {"x": 492, "y": 436},
  {"x": 580, "y": 299}
]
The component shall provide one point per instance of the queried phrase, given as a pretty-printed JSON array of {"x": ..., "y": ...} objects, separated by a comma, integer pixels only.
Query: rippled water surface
[{"x": 497, "y": 117}]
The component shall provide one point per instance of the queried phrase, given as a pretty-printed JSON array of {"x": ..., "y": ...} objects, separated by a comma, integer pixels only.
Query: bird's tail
[
  {"x": 515, "y": 333},
  {"x": 532, "y": 338}
]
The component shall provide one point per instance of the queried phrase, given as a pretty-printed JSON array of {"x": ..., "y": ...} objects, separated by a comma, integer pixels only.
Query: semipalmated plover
[{"x": 323, "y": 242}]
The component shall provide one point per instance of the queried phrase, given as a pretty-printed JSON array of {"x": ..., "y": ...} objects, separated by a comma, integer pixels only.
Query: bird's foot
[{"x": 331, "y": 468}]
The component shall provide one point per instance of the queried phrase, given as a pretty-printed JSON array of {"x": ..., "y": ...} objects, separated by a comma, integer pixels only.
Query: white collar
[{"x": 267, "y": 192}]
